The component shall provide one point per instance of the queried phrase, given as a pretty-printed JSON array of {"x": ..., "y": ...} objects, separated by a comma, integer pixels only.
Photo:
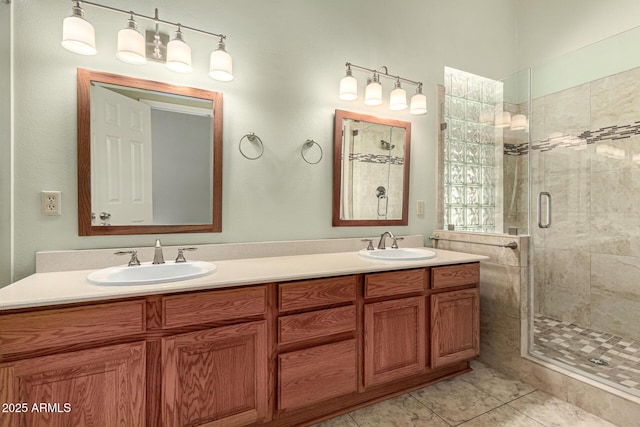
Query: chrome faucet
[
  {"x": 383, "y": 238},
  {"x": 158, "y": 258}
]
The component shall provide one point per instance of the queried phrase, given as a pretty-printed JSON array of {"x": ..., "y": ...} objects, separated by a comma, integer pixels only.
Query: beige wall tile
[
  {"x": 615, "y": 233},
  {"x": 616, "y": 315},
  {"x": 616, "y": 276},
  {"x": 616, "y": 409},
  {"x": 500, "y": 289},
  {"x": 610, "y": 100},
  {"x": 567, "y": 305},
  {"x": 567, "y": 269},
  {"x": 567, "y": 111}
]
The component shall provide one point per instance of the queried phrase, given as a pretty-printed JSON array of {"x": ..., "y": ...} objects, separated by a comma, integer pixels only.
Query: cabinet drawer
[
  {"x": 316, "y": 293},
  {"x": 38, "y": 330},
  {"x": 316, "y": 374},
  {"x": 395, "y": 283},
  {"x": 213, "y": 306},
  {"x": 455, "y": 275},
  {"x": 316, "y": 324}
]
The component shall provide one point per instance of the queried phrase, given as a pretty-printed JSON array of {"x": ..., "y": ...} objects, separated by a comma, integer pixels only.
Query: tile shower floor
[
  {"x": 482, "y": 398},
  {"x": 573, "y": 345}
]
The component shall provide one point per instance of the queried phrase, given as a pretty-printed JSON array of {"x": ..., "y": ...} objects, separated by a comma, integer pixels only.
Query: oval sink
[
  {"x": 148, "y": 273},
  {"x": 400, "y": 254}
]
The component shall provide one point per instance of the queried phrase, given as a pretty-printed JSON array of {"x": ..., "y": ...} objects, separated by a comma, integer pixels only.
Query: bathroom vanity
[{"x": 240, "y": 347}]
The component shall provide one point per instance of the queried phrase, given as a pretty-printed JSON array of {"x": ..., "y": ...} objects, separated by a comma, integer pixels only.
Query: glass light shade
[
  {"x": 418, "y": 103},
  {"x": 131, "y": 45},
  {"x": 78, "y": 35},
  {"x": 373, "y": 93},
  {"x": 348, "y": 88},
  {"x": 518, "y": 122},
  {"x": 398, "y": 99},
  {"x": 220, "y": 64},
  {"x": 503, "y": 119},
  {"x": 178, "y": 55}
]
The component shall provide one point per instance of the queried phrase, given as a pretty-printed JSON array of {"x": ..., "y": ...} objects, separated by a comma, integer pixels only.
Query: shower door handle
[{"x": 547, "y": 224}]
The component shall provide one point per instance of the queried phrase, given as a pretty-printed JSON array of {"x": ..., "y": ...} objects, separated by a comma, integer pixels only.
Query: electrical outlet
[
  {"x": 51, "y": 203},
  {"x": 420, "y": 208}
]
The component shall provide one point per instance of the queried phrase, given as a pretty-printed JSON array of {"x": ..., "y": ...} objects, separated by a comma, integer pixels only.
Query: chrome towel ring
[
  {"x": 253, "y": 138},
  {"x": 307, "y": 145}
]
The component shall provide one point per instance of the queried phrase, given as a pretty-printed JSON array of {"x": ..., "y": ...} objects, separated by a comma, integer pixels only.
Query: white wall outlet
[
  {"x": 420, "y": 207},
  {"x": 51, "y": 203}
]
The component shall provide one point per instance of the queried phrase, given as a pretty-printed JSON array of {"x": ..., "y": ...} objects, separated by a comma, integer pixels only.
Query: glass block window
[{"x": 470, "y": 150}]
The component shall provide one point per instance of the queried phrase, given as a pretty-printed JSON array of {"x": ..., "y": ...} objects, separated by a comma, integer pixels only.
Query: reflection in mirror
[
  {"x": 149, "y": 156},
  {"x": 371, "y": 170}
]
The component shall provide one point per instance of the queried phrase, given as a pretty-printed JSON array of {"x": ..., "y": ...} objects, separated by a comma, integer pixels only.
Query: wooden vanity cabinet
[
  {"x": 455, "y": 314},
  {"x": 317, "y": 346}
]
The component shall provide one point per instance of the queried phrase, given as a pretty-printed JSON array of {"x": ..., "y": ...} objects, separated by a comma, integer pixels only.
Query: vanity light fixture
[
  {"x": 78, "y": 36},
  {"x": 518, "y": 122},
  {"x": 502, "y": 120},
  {"x": 373, "y": 90}
]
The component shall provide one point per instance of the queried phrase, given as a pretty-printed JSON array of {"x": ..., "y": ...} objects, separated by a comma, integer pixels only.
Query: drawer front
[
  {"x": 395, "y": 283},
  {"x": 316, "y": 293},
  {"x": 455, "y": 275},
  {"x": 213, "y": 306},
  {"x": 32, "y": 331},
  {"x": 316, "y": 324},
  {"x": 316, "y": 374}
]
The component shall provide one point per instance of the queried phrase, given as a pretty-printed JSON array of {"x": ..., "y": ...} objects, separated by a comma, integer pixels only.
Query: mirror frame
[
  {"x": 337, "y": 169},
  {"x": 85, "y": 228}
]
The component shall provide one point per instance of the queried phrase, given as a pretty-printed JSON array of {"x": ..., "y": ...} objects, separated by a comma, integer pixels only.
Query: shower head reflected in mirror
[{"x": 386, "y": 145}]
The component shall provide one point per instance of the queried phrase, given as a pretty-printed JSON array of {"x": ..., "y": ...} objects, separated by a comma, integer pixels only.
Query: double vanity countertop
[{"x": 65, "y": 287}]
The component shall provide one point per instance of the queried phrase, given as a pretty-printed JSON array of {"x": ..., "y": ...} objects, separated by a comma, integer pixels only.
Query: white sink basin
[
  {"x": 148, "y": 273},
  {"x": 400, "y": 254}
]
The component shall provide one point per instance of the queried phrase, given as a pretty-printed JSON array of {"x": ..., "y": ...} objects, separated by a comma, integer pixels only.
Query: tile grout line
[{"x": 429, "y": 409}]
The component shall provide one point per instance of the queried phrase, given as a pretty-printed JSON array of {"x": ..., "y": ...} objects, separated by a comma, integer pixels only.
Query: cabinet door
[
  {"x": 455, "y": 326},
  {"x": 97, "y": 387},
  {"x": 394, "y": 340},
  {"x": 216, "y": 377}
]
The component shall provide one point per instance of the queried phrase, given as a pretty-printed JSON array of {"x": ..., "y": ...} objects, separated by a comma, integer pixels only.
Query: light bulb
[
  {"x": 348, "y": 87},
  {"x": 131, "y": 44},
  {"x": 78, "y": 35},
  {"x": 179, "y": 54},
  {"x": 220, "y": 64}
]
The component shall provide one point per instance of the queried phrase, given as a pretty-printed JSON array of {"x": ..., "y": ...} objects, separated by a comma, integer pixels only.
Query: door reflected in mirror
[
  {"x": 149, "y": 156},
  {"x": 371, "y": 170}
]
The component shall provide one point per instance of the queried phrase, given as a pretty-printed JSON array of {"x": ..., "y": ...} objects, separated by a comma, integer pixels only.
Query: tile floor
[
  {"x": 482, "y": 398},
  {"x": 575, "y": 345}
]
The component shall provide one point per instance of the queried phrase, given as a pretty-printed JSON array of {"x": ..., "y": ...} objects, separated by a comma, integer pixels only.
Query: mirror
[
  {"x": 370, "y": 170},
  {"x": 149, "y": 157}
]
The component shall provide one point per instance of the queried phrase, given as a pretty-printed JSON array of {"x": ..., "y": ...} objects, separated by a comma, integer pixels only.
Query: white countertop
[{"x": 63, "y": 287}]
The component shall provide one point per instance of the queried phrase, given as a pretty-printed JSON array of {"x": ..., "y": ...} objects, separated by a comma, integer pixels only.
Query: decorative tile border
[
  {"x": 609, "y": 133},
  {"x": 376, "y": 158}
]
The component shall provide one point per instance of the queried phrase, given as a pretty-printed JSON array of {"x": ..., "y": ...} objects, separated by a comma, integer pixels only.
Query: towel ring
[
  {"x": 308, "y": 144},
  {"x": 252, "y": 137}
]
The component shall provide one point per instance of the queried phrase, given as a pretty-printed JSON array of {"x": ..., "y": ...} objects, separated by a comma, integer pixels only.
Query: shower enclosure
[{"x": 571, "y": 180}]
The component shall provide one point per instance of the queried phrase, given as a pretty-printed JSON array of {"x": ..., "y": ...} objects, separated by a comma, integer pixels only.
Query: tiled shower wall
[{"x": 586, "y": 153}]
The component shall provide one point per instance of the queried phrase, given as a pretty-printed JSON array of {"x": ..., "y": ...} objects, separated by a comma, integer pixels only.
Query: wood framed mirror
[
  {"x": 149, "y": 157},
  {"x": 370, "y": 170}
]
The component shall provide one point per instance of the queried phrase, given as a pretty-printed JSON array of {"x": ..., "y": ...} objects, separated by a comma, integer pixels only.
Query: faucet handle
[
  {"x": 134, "y": 256},
  {"x": 180, "y": 257},
  {"x": 394, "y": 245},
  {"x": 370, "y": 245}
]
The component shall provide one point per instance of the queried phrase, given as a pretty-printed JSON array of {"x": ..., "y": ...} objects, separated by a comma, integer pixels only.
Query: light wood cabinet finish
[
  {"x": 455, "y": 326},
  {"x": 316, "y": 374},
  {"x": 58, "y": 328},
  {"x": 215, "y": 377},
  {"x": 213, "y": 306},
  {"x": 395, "y": 283},
  {"x": 394, "y": 340},
  {"x": 315, "y": 293},
  {"x": 455, "y": 275},
  {"x": 316, "y": 324},
  {"x": 103, "y": 387}
]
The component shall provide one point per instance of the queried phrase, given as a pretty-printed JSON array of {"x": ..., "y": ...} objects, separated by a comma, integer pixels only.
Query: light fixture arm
[
  {"x": 384, "y": 73},
  {"x": 155, "y": 18}
]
